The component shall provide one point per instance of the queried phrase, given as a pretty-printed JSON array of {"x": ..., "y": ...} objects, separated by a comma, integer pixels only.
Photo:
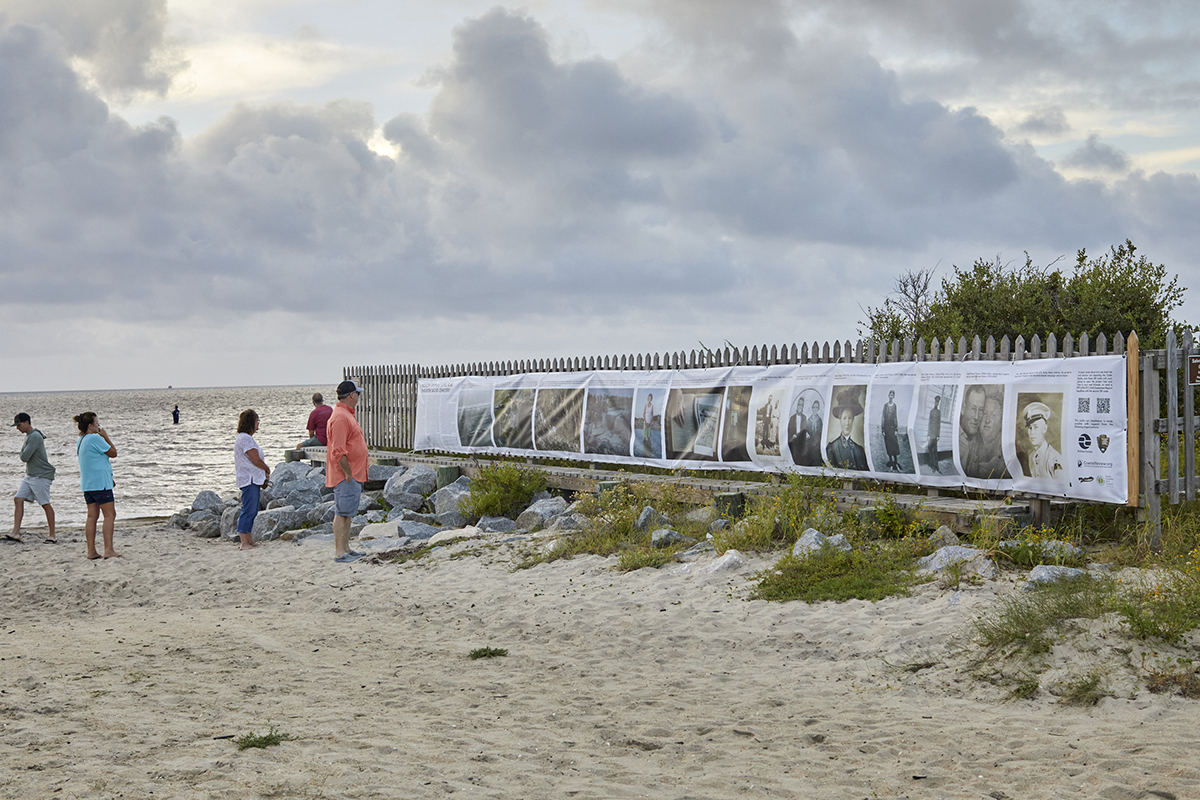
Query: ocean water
[{"x": 160, "y": 467}]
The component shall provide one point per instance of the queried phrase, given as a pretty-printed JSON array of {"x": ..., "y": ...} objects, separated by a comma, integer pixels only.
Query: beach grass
[
  {"x": 269, "y": 739},
  {"x": 871, "y": 571},
  {"x": 611, "y": 527},
  {"x": 488, "y": 652}
]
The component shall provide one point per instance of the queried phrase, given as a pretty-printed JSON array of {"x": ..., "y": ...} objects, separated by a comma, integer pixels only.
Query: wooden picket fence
[{"x": 388, "y": 408}]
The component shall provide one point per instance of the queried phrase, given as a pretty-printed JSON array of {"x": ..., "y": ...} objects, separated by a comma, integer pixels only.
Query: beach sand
[{"x": 128, "y": 677}]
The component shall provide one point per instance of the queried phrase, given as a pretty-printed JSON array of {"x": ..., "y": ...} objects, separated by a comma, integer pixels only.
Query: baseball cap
[
  {"x": 19, "y": 418},
  {"x": 346, "y": 388}
]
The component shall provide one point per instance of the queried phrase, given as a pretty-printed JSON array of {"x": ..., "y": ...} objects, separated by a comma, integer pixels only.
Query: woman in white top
[{"x": 251, "y": 471}]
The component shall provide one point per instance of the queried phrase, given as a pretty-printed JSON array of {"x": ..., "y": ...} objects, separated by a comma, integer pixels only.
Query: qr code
[
  {"x": 1085, "y": 405},
  {"x": 1102, "y": 405}
]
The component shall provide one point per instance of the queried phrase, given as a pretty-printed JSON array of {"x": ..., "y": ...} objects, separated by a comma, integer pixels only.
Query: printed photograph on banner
[
  {"x": 889, "y": 449},
  {"x": 557, "y": 419},
  {"x": 475, "y": 416},
  {"x": 805, "y": 427},
  {"x": 934, "y": 427},
  {"x": 608, "y": 421},
  {"x": 737, "y": 418},
  {"x": 767, "y": 407},
  {"x": 647, "y": 433},
  {"x": 845, "y": 449},
  {"x": 513, "y": 424},
  {"x": 693, "y": 422},
  {"x": 980, "y": 428},
  {"x": 1039, "y": 435}
]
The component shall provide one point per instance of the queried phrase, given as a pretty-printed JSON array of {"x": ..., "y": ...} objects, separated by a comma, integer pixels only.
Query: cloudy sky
[{"x": 221, "y": 192}]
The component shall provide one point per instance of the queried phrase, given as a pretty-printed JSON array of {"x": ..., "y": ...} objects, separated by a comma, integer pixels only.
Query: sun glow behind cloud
[{"x": 558, "y": 178}]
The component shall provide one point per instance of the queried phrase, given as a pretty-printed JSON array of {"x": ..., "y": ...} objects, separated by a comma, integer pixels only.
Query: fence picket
[
  {"x": 1189, "y": 420},
  {"x": 1172, "y": 418}
]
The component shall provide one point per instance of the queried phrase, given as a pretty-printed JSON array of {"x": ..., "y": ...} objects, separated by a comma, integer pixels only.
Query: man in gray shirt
[{"x": 39, "y": 474}]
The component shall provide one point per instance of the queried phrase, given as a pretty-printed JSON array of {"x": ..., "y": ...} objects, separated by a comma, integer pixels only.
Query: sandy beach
[{"x": 127, "y": 678}]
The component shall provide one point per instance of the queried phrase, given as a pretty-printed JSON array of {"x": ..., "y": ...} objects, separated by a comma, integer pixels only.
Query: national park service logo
[{"x": 1102, "y": 440}]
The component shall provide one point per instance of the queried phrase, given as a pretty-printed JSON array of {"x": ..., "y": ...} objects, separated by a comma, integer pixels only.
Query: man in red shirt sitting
[{"x": 318, "y": 421}]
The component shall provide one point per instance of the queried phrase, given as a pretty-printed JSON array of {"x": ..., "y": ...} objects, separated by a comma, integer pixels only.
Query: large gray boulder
[
  {"x": 383, "y": 472},
  {"x": 665, "y": 537},
  {"x": 324, "y": 529},
  {"x": 1043, "y": 574},
  {"x": 969, "y": 560},
  {"x": 321, "y": 512},
  {"x": 418, "y": 480},
  {"x": 650, "y": 518},
  {"x": 415, "y": 530},
  {"x": 205, "y": 524},
  {"x": 282, "y": 478},
  {"x": 447, "y": 503},
  {"x": 274, "y": 521},
  {"x": 568, "y": 522},
  {"x": 813, "y": 540},
  {"x": 197, "y": 517},
  {"x": 497, "y": 524},
  {"x": 540, "y": 513},
  {"x": 302, "y": 495},
  {"x": 229, "y": 518},
  {"x": 402, "y": 501},
  {"x": 208, "y": 501},
  {"x": 944, "y": 537}
]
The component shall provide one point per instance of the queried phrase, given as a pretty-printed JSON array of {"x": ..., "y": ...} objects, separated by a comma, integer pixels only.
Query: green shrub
[
  {"x": 488, "y": 652},
  {"x": 776, "y": 520},
  {"x": 871, "y": 572},
  {"x": 611, "y": 527},
  {"x": 502, "y": 489},
  {"x": 268, "y": 739},
  {"x": 1166, "y": 609},
  {"x": 1038, "y": 546}
]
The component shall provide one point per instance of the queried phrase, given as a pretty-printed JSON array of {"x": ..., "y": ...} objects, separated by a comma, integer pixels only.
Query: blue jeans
[{"x": 250, "y": 499}]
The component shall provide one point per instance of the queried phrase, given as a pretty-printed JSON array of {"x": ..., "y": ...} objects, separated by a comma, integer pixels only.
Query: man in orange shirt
[{"x": 345, "y": 468}]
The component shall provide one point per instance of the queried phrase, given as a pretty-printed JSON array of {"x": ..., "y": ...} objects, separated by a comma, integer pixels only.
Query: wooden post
[{"x": 1039, "y": 507}]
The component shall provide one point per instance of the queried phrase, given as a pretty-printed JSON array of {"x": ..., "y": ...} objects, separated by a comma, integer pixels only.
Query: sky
[{"x": 263, "y": 192}]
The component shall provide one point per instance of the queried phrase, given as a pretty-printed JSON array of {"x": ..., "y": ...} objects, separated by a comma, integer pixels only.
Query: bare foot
[
  {"x": 93, "y": 556},
  {"x": 248, "y": 547},
  {"x": 112, "y": 554}
]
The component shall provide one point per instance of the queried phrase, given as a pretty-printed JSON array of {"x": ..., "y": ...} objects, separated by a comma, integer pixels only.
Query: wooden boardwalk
[{"x": 960, "y": 514}]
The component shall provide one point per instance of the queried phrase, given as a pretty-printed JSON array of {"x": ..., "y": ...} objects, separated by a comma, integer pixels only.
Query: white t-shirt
[{"x": 246, "y": 472}]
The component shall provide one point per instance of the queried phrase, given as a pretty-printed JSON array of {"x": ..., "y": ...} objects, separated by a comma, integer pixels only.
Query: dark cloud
[
  {"x": 1049, "y": 122},
  {"x": 778, "y": 180},
  {"x": 1095, "y": 155},
  {"x": 124, "y": 41}
]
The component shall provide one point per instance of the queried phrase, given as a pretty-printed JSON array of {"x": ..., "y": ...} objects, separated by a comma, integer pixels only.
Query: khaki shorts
[{"x": 35, "y": 490}]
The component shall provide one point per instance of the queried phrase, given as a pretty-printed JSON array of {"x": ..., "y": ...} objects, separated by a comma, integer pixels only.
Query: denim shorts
[
  {"x": 345, "y": 498},
  {"x": 35, "y": 489},
  {"x": 99, "y": 497}
]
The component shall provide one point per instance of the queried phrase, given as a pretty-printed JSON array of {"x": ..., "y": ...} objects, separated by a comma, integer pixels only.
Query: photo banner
[{"x": 1050, "y": 427}]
